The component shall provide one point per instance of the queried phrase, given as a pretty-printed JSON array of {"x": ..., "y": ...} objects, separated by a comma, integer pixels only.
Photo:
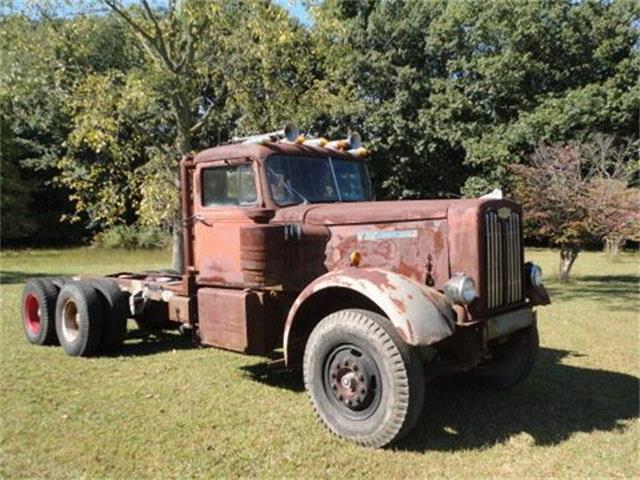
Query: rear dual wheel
[
  {"x": 79, "y": 319},
  {"x": 366, "y": 385},
  {"x": 91, "y": 317},
  {"x": 38, "y": 311}
]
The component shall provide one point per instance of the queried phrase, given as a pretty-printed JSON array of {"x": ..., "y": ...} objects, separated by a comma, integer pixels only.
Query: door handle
[{"x": 196, "y": 219}]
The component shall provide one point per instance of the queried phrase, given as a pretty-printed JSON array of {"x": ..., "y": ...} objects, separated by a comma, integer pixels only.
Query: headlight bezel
[{"x": 461, "y": 289}]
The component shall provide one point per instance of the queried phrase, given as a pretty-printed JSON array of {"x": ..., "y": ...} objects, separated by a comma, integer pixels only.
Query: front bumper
[{"x": 509, "y": 322}]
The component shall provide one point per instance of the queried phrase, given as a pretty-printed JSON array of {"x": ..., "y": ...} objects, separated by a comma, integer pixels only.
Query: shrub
[{"x": 132, "y": 237}]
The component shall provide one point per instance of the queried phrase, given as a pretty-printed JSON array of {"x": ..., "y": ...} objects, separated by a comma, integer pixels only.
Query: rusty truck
[{"x": 287, "y": 250}]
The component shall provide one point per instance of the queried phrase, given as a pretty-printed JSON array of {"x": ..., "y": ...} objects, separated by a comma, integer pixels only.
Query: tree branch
[
  {"x": 150, "y": 43},
  {"x": 162, "y": 46},
  {"x": 204, "y": 118},
  {"x": 132, "y": 24}
]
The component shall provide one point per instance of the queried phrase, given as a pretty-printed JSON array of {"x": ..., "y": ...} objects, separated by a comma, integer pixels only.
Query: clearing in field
[{"x": 164, "y": 409}]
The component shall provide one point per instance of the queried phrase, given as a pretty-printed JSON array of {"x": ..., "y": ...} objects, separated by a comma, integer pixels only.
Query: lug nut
[
  {"x": 363, "y": 391},
  {"x": 356, "y": 368},
  {"x": 349, "y": 402},
  {"x": 334, "y": 386},
  {"x": 346, "y": 363},
  {"x": 361, "y": 378},
  {"x": 340, "y": 397},
  {"x": 333, "y": 375}
]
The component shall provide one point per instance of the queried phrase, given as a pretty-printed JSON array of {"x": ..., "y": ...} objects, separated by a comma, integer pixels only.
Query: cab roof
[{"x": 261, "y": 151}]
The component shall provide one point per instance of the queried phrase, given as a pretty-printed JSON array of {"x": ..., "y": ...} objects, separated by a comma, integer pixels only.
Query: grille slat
[{"x": 504, "y": 259}]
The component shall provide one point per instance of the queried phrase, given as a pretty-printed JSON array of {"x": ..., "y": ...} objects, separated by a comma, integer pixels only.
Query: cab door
[{"x": 222, "y": 192}]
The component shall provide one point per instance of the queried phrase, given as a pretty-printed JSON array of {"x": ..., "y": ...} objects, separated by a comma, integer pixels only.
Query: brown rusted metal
[
  {"x": 186, "y": 181},
  {"x": 262, "y": 254},
  {"x": 420, "y": 314},
  {"x": 251, "y": 269},
  {"x": 232, "y": 319},
  {"x": 419, "y": 244},
  {"x": 180, "y": 308}
]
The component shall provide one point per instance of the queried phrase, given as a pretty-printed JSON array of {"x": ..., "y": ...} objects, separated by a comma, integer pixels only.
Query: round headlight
[
  {"x": 460, "y": 289},
  {"x": 535, "y": 274}
]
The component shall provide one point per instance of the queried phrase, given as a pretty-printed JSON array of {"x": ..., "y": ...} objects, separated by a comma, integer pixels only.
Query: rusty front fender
[{"x": 420, "y": 314}]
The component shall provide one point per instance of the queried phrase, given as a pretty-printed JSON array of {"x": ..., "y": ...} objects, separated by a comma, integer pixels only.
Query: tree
[
  {"x": 451, "y": 93},
  {"x": 216, "y": 63},
  {"x": 15, "y": 198},
  {"x": 613, "y": 202},
  {"x": 172, "y": 42},
  {"x": 571, "y": 193}
]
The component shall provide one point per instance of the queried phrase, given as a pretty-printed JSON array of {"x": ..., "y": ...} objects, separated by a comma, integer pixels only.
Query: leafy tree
[
  {"x": 215, "y": 64},
  {"x": 15, "y": 197},
  {"x": 572, "y": 193},
  {"x": 451, "y": 93},
  {"x": 33, "y": 129},
  {"x": 613, "y": 201}
]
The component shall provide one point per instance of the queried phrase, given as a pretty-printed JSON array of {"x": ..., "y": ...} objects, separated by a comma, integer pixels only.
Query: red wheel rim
[{"x": 32, "y": 313}]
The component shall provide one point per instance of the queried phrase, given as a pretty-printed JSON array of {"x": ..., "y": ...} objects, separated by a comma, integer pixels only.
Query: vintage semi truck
[{"x": 285, "y": 247}]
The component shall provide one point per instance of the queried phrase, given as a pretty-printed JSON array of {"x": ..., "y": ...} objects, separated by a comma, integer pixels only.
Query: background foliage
[{"x": 447, "y": 95}]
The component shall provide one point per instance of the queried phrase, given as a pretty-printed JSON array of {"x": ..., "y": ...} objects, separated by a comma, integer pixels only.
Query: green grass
[{"x": 162, "y": 409}]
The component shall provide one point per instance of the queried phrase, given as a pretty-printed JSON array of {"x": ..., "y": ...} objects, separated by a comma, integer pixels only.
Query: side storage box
[{"x": 232, "y": 319}]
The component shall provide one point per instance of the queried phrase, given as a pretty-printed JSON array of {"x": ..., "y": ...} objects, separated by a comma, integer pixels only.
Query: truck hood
[{"x": 369, "y": 212}]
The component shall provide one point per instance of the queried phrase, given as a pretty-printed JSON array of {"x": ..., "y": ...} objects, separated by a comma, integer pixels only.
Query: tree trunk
[
  {"x": 612, "y": 246},
  {"x": 184, "y": 144},
  {"x": 568, "y": 256},
  {"x": 177, "y": 249}
]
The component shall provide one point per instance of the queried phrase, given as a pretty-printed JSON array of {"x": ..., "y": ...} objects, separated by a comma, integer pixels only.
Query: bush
[{"x": 132, "y": 237}]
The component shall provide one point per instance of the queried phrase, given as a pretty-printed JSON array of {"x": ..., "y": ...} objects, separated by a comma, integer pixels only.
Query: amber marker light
[
  {"x": 355, "y": 258},
  {"x": 359, "y": 152},
  {"x": 316, "y": 142}
]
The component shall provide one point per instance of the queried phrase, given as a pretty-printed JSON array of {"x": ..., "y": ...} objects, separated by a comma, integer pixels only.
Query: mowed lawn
[{"x": 163, "y": 409}]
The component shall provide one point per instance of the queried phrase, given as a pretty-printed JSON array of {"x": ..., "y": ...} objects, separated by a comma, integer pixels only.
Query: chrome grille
[{"x": 504, "y": 259}]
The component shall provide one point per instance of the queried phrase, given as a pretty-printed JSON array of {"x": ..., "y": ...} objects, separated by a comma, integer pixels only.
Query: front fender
[{"x": 420, "y": 314}]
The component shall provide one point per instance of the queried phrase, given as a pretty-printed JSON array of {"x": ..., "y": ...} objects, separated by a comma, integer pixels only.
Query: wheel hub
[
  {"x": 70, "y": 321},
  {"x": 33, "y": 313},
  {"x": 350, "y": 379}
]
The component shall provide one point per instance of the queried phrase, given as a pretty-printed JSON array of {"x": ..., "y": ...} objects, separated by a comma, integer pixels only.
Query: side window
[{"x": 231, "y": 185}]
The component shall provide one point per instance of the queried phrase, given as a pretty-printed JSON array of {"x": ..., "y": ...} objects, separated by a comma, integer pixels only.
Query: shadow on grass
[
  {"x": 555, "y": 402},
  {"x": 621, "y": 292},
  {"x": 275, "y": 376},
  {"x": 12, "y": 277},
  {"x": 141, "y": 342}
]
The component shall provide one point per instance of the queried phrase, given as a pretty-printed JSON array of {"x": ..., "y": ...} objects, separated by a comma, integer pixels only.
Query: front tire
[{"x": 366, "y": 385}]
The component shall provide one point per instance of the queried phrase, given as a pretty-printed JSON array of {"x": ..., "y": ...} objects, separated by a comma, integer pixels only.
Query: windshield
[{"x": 294, "y": 180}]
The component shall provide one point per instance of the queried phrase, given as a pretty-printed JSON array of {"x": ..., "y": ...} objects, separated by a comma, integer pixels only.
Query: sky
[{"x": 297, "y": 9}]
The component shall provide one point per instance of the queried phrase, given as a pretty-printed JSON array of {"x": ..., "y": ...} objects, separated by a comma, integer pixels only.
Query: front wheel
[
  {"x": 511, "y": 361},
  {"x": 366, "y": 385}
]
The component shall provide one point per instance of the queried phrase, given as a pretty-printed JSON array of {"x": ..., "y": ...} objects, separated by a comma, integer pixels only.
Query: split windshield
[{"x": 294, "y": 180}]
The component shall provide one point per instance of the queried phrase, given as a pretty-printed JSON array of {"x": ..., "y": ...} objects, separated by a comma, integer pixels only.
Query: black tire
[
  {"x": 511, "y": 362},
  {"x": 115, "y": 312},
  {"x": 38, "y": 312},
  {"x": 60, "y": 282},
  {"x": 383, "y": 395},
  {"x": 79, "y": 320},
  {"x": 155, "y": 318}
]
